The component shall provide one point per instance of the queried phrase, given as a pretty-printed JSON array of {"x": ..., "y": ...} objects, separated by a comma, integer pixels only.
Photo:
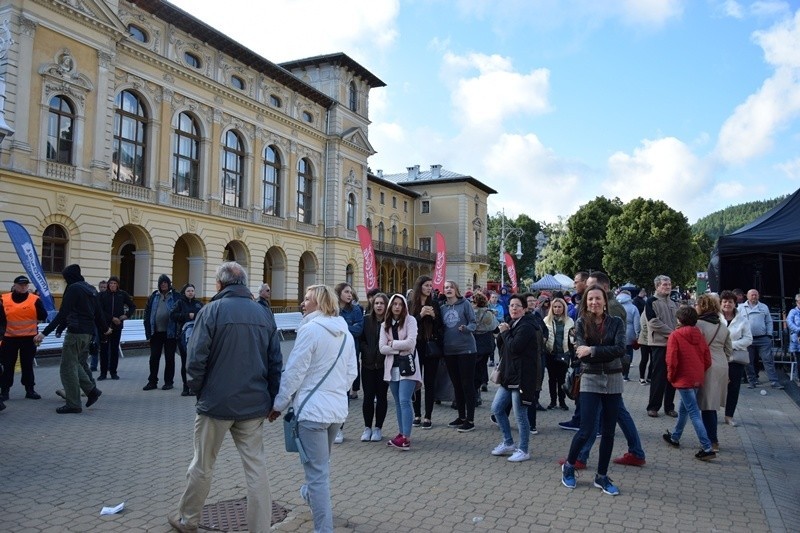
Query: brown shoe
[
  {"x": 175, "y": 521},
  {"x": 654, "y": 414}
]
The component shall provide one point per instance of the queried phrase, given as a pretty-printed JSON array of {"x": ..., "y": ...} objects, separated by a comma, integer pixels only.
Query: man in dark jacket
[
  {"x": 234, "y": 353},
  {"x": 116, "y": 306},
  {"x": 162, "y": 332},
  {"x": 80, "y": 314}
]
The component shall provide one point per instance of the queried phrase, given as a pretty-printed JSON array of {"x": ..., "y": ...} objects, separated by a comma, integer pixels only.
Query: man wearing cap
[
  {"x": 80, "y": 314},
  {"x": 116, "y": 306},
  {"x": 19, "y": 314}
]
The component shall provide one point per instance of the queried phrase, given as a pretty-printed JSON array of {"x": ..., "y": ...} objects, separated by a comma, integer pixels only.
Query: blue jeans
[
  {"x": 763, "y": 347},
  {"x": 402, "y": 391},
  {"x": 689, "y": 409},
  {"x": 628, "y": 427},
  {"x": 606, "y": 406},
  {"x": 317, "y": 439},
  {"x": 502, "y": 399}
]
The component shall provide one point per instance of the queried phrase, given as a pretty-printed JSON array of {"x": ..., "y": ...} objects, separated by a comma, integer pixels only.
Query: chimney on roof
[
  {"x": 436, "y": 172},
  {"x": 413, "y": 172},
  {"x": 380, "y": 173}
]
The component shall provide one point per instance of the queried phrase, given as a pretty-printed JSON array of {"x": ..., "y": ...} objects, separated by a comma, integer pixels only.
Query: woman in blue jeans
[
  {"x": 600, "y": 346},
  {"x": 399, "y": 337},
  {"x": 519, "y": 368}
]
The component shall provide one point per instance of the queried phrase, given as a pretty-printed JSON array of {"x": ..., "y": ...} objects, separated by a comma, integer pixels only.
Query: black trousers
[
  {"x": 644, "y": 352},
  {"x": 26, "y": 350},
  {"x": 158, "y": 343},
  {"x": 660, "y": 389},
  {"x": 109, "y": 353},
  {"x": 556, "y": 376},
  {"x": 182, "y": 352},
  {"x": 430, "y": 368},
  {"x": 375, "y": 388},
  {"x": 462, "y": 373},
  {"x": 735, "y": 373}
]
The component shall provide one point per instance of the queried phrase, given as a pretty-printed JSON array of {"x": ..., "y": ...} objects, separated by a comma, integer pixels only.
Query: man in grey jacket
[
  {"x": 660, "y": 311},
  {"x": 235, "y": 369}
]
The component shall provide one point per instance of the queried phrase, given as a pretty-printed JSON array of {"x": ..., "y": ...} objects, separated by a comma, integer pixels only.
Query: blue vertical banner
[{"x": 26, "y": 252}]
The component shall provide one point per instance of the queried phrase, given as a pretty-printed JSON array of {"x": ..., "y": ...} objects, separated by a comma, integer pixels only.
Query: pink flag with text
[
  {"x": 512, "y": 272},
  {"x": 440, "y": 269},
  {"x": 370, "y": 274}
]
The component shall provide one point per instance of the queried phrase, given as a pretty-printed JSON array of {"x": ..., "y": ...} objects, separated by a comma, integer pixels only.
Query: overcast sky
[{"x": 554, "y": 102}]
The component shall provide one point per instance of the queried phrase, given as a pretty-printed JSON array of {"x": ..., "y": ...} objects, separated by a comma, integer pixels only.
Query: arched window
[
  {"x": 187, "y": 157},
  {"x": 129, "y": 149},
  {"x": 308, "y": 117},
  {"x": 237, "y": 83},
  {"x": 394, "y": 235},
  {"x": 348, "y": 275},
  {"x": 137, "y": 33},
  {"x": 351, "y": 211},
  {"x": 271, "y": 181},
  {"x": 192, "y": 60},
  {"x": 381, "y": 233},
  {"x": 274, "y": 100},
  {"x": 54, "y": 248},
  {"x": 304, "y": 191},
  {"x": 60, "y": 130},
  {"x": 353, "y": 96},
  {"x": 232, "y": 169}
]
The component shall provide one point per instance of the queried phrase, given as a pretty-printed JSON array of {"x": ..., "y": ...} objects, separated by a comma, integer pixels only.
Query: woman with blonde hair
[
  {"x": 559, "y": 350},
  {"x": 323, "y": 357},
  {"x": 713, "y": 394}
]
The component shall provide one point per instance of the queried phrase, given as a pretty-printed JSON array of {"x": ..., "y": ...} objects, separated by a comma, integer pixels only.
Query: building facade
[{"x": 145, "y": 142}]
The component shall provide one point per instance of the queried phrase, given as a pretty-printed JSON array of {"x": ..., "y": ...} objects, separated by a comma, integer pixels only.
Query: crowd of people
[{"x": 583, "y": 342}]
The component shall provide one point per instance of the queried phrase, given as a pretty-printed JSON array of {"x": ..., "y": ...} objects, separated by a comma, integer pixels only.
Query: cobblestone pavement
[{"x": 57, "y": 471}]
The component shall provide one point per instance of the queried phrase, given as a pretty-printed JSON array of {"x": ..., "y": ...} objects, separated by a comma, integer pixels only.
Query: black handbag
[
  {"x": 572, "y": 383},
  {"x": 406, "y": 364},
  {"x": 434, "y": 348}
]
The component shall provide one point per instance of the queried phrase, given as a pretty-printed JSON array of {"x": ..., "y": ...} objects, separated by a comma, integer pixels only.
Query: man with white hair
[{"x": 761, "y": 326}]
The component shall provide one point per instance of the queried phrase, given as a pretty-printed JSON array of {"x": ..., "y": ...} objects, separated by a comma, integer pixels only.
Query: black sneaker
[
  {"x": 114, "y": 376},
  {"x": 705, "y": 456},
  {"x": 669, "y": 440},
  {"x": 466, "y": 427},
  {"x": 101, "y": 377},
  {"x": 66, "y": 409},
  {"x": 32, "y": 394},
  {"x": 150, "y": 386},
  {"x": 92, "y": 397},
  {"x": 167, "y": 386},
  {"x": 493, "y": 419},
  {"x": 417, "y": 422},
  {"x": 426, "y": 424},
  {"x": 455, "y": 423},
  {"x": 569, "y": 426}
]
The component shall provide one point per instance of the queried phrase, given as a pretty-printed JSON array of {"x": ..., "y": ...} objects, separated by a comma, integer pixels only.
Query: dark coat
[
  {"x": 371, "y": 357},
  {"x": 606, "y": 355},
  {"x": 520, "y": 363},
  {"x": 113, "y": 306}
]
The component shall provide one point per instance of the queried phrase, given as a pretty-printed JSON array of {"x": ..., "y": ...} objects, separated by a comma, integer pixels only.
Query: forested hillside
[{"x": 733, "y": 217}]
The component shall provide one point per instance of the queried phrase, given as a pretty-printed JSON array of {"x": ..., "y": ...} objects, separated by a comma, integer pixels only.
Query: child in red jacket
[{"x": 688, "y": 358}]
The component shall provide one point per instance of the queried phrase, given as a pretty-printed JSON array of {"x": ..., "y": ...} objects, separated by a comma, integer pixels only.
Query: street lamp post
[{"x": 504, "y": 233}]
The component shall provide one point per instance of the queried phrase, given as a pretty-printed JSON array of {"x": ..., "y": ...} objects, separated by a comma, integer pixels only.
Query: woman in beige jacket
[{"x": 714, "y": 391}]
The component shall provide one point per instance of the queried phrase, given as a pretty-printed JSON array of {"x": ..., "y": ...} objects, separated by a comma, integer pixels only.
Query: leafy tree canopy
[
  {"x": 648, "y": 238},
  {"x": 585, "y": 238}
]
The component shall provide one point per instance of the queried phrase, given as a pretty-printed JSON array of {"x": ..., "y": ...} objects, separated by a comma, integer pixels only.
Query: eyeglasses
[{"x": 514, "y": 305}]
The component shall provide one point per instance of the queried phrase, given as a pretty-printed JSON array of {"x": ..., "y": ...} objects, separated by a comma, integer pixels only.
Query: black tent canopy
[{"x": 763, "y": 255}]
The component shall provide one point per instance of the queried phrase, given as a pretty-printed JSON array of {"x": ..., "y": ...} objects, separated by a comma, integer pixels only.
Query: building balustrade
[{"x": 60, "y": 171}]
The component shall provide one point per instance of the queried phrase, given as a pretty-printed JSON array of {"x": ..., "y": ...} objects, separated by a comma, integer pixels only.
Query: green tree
[
  {"x": 585, "y": 238},
  {"x": 649, "y": 238},
  {"x": 704, "y": 246},
  {"x": 733, "y": 217},
  {"x": 526, "y": 264}
]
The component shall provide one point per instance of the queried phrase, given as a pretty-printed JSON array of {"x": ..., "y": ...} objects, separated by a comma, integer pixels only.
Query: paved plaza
[{"x": 57, "y": 471}]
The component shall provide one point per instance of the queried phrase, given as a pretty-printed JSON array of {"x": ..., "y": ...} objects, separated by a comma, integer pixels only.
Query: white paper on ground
[{"x": 112, "y": 510}]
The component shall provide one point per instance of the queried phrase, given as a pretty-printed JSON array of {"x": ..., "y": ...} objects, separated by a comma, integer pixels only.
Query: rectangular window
[
  {"x": 425, "y": 244},
  {"x": 369, "y": 193},
  {"x": 383, "y": 198},
  {"x": 426, "y": 206},
  {"x": 394, "y": 202},
  {"x": 405, "y": 206}
]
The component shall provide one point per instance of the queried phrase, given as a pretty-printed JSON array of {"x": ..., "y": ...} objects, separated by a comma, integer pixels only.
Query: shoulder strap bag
[{"x": 291, "y": 430}]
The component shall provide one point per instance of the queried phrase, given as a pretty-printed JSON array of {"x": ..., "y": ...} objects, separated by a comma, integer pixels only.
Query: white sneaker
[
  {"x": 339, "y": 437},
  {"x": 518, "y": 456},
  {"x": 366, "y": 436},
  {"x": 377, "y": 436},
  {"x": 504, "y": 449}
]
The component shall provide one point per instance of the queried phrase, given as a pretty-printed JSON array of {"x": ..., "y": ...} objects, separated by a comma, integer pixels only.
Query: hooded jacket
[
  {"x": 319, "y": 339},
  {"x": 405, "y": 343},
  {"x": 112, "y": 304},
  {"x": 235, "y": 357},
  {"x": 688, "y": 358},
  {"x": 458, "y": 314},
  {"x": 633, "y": 322},
  {"x": 80, "y": 311},
  {"x": 152, "y": 306}
]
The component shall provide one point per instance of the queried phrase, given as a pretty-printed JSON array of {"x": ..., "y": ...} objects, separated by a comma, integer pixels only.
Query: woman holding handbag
[
  {"x": 425, "y": 309},
  {"x": 314, "y": 382},
  {"x": 741, "y": 338},
  {"x": 714, "y": 392},
  {"x": 559, "y": 350},
  {"x": 398, "y": 343}
]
